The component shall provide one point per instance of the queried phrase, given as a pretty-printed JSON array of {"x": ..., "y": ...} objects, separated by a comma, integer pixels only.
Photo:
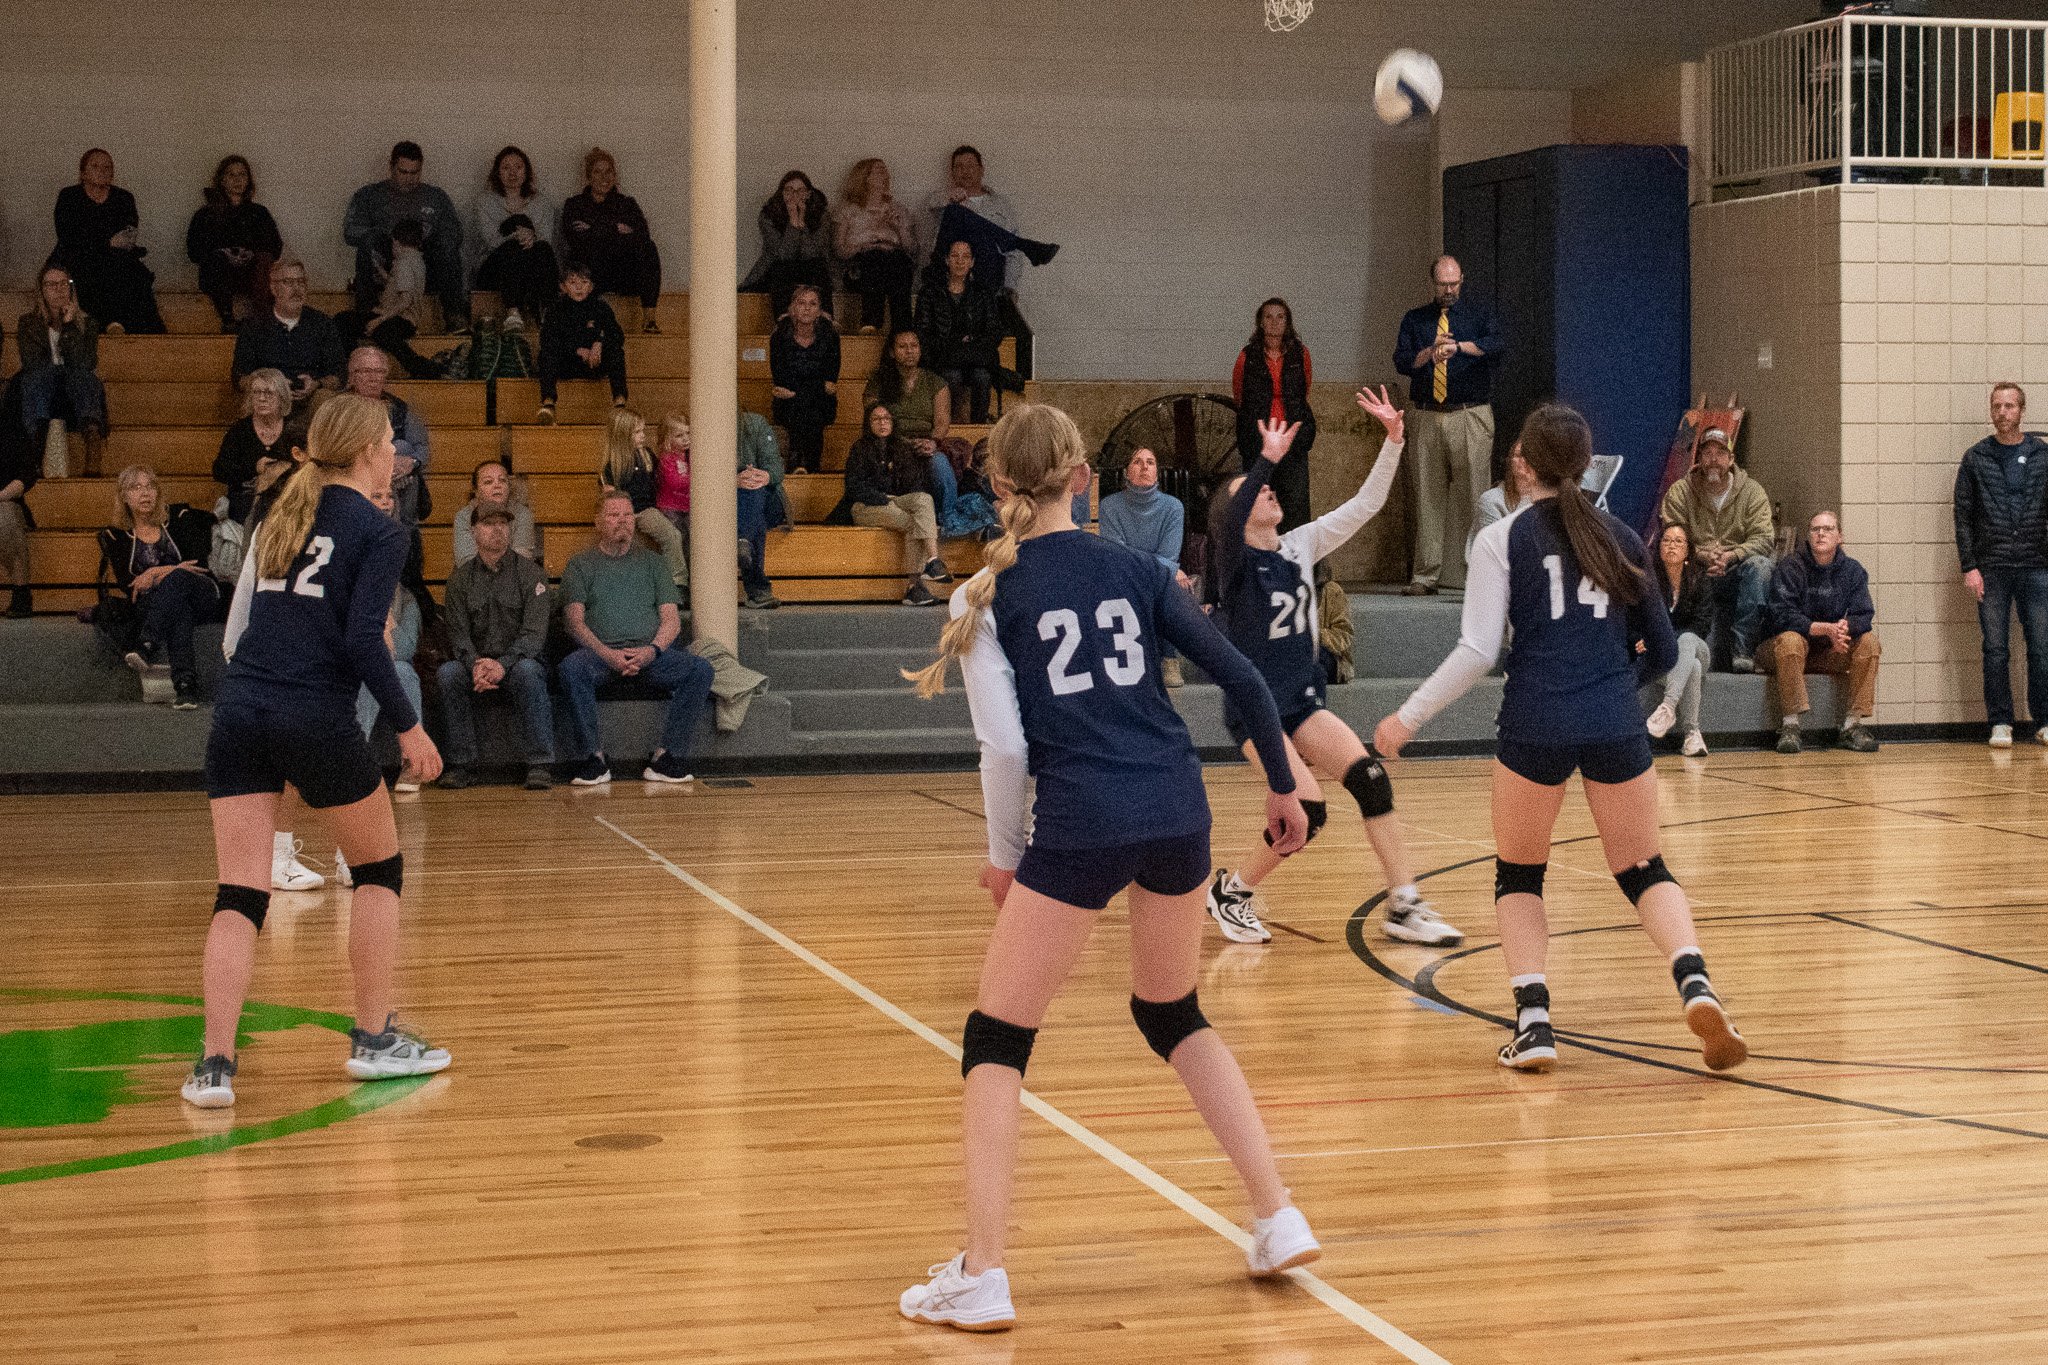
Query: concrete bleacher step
[{"x": 68, "y": 706}]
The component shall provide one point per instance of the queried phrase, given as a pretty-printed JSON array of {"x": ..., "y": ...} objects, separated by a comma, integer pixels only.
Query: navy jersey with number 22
[
  {"x": 316, "y": 634},
  {"x": 1065, "y": 677}
]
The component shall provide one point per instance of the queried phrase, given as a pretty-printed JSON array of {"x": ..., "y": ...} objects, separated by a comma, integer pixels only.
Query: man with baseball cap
[{"x": 1728, "y": 516}]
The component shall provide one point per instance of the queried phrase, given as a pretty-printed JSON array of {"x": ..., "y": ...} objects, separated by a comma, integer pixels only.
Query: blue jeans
[
  {"x": 525, "y": 685},
  {"x": 170, "y": 612},
  {"x": 408, "y": 683},
  {"x": 685, "y": 677},
  {"x": 959, "y": 514},
  {"x": 753, "y": 512},
  {"x": 80, "y": 388},
  {"x": 1746, "y": 585},
  {"x": 2005, "y": 589}
]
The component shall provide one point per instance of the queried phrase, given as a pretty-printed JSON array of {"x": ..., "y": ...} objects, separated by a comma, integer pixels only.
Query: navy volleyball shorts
[
  {"x": 1551, "y": 765},
  {"x": 1290, "y": 719},
  {"x": 323, "y": 754},
  {"x": 1089, "y": 877}
]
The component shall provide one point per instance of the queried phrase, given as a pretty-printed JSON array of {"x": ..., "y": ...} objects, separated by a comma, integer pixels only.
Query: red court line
[{"x": 1800, "y": 1076}]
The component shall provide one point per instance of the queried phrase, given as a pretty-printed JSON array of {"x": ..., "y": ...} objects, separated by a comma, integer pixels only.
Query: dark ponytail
[{"x": 1557, "y": 445}]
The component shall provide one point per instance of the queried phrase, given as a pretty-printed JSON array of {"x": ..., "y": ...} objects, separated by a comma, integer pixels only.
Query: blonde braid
[{"x": 1036, "y": 447}]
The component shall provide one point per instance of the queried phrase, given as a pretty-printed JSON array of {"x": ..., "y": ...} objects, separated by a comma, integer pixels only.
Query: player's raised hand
[
  {"x": 1286, "y": 822},
  {"x": 1381, "y": 406},
  {"x": 1390, "y": 736},
  {"x": 1275, "y": 438}
]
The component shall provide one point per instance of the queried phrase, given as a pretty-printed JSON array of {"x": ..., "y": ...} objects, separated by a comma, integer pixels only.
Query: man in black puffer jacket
[{"x": 2001, "y": 510}]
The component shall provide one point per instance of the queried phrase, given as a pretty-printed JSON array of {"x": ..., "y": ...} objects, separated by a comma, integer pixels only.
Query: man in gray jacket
[
  {"x": 497, "y": 610},
  {"x": 379, "y": 206}
]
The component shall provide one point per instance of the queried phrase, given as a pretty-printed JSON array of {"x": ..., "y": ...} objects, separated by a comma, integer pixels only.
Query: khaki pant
[
  {"x": 1451, "y": 454},
  {"x": 913, "y": 515},
  {"x": 1792, "y": 656},
  {"x": 13, "y": 543},
  {"x": 656, "y": 526}
]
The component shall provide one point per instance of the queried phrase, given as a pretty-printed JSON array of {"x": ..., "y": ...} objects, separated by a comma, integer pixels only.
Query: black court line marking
[
  {"x": 1427, "y": 978},
  {"x": 1934, "y": 943},
  {"x": 951, "y": 805},
  {"x": 1943, "y": 817},
  {"x": 1298, "y": 933},
  {"x": 1354, "y": 933}
]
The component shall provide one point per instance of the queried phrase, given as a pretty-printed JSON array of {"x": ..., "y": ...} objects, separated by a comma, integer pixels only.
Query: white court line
[
  {"x": 1616, "y": 1137},
  {"x": 1331, "y": 1297}
]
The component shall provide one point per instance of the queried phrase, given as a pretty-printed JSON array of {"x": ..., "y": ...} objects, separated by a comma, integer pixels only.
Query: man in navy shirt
[
  {"x": 301, "y": 343},
  {"x": 2002, "y": 544},
  {"x": 1820, "y": 617},
  {"x": 1447, "y": 348}
]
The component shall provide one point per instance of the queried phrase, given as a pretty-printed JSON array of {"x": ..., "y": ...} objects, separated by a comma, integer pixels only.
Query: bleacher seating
[{"x": 169, "y": 399}]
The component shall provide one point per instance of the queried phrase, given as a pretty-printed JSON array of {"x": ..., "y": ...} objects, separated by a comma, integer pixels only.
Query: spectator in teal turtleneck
[{"x": 1143, "y": 518}]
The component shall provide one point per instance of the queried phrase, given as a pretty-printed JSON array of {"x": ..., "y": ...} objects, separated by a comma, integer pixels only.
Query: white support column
[{"x": 714, "y": 320}]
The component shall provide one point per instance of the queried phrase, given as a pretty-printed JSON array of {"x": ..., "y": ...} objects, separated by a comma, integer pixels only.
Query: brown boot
[{"x": 95, "y": 448}]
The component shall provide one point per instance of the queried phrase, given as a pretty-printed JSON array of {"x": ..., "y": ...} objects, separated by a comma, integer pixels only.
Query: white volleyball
[{"x": 1409, "y": 86}]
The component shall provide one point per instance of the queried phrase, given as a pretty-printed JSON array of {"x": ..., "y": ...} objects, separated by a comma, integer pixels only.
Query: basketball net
[{"x": 1284, "y": 16}]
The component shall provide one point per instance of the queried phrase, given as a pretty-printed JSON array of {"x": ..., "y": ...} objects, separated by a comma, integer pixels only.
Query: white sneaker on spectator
[
  {"x": 513, "y": 322},
  {"x": 287, "y": 873},
  {"x": 1281, "y": 1243},
  {"x": 2001, "y": 736},
  {"x": 2041, "y": 735},
  {"x": 1661, "y": 720},
  {"x": 954, "y": 1298},
  {"x": 157, "y": 688},
  {"x": 342, "y": 876},
  {"x": 1695, "y": 745}
]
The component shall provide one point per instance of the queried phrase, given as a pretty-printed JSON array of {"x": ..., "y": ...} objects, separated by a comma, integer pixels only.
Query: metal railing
[{"x": 1880, "y": 97}]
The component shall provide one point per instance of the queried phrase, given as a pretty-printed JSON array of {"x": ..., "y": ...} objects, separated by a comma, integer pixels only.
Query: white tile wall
[{"x": 1943, "y": 290}]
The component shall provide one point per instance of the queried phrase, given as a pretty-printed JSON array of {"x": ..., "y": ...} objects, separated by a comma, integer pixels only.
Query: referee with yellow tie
[{"x": 1448, "y": 349}]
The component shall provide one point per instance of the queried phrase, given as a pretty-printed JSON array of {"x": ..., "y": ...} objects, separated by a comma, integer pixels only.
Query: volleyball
[{"x": 1409, "y": 87}]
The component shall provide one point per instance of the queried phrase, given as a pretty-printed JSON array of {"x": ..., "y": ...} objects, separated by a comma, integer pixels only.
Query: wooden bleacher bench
[{"x": 170, "y": 399}]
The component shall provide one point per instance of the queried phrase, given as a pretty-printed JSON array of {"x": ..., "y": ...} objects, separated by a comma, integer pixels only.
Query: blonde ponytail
[
  {"x": 346, "y": 429},
  {"x": 621, "y": 455},
  {"x": 1035, "y": 448}
]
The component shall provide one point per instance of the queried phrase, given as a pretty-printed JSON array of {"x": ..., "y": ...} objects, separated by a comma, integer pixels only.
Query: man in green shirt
[
  {"x": 621, "y": 608},
  {"x": 497, "y": 612}
]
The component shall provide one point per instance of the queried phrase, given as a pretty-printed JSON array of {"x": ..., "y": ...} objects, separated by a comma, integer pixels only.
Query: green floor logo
[{"x": 78, "y": 1075}]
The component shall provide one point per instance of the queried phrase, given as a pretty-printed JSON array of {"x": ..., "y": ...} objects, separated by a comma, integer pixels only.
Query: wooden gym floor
[{"x": 702, "y": 1107}]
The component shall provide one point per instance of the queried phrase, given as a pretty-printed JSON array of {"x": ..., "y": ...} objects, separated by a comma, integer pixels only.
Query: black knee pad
[
  {"x": 1634, "y": 881},
  {"x": 1318, "y": 813},
  {"x": 385, "y": 872},
  {"x": 1368, "y": 783},
  {"x": 1167, "y": 1024},
  {"x": 245, "y": 901},
  {"x": 989, "y": 1039},
  {"x": 1517, "y": 879}
]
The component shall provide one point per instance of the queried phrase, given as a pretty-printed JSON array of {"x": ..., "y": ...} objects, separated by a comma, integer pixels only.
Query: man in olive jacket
[
  {"x": 1728, "y": 516},
  {"x": 497, "y": 609}
]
